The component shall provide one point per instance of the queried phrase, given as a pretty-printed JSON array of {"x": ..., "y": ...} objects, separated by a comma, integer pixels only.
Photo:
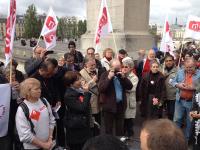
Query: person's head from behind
[
  {"x": 90, "y": 63},
  {"x": 190, "y": 65},
  {"x": 151, "y": 54},
  {"x": 162, "y": 134},
  {"x": 69, "y": 59},
  {"x": 108, "y": 54},
  {"x": 72, "y": 46},
  {"x": 105, "y": 142},
  {"x": 73, "y": 79},
  {"x": 43, "y": 70},
  {"x": 52, "y": 66},
  {"x": 122, "y": 54},
  {"x": 169, "y": 61},
  {"x": 90, "y": 52},
  {"x": 30, "y": 89}
]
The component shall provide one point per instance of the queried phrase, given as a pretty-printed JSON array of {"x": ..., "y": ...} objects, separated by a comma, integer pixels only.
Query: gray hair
[{"x": 128, "y": 61}]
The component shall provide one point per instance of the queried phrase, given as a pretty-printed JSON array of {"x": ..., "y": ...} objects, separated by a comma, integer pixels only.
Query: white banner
[
  {"x": 193, "y": 28},
  {"x": 167, "y": 42},
  {"x": 49, "y": 29},
  {"x": 104, "y": 26},
  {"x": 5, "y": 96}
]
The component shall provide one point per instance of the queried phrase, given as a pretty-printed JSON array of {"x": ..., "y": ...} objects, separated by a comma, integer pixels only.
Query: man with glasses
[
  {"x": 91, "y": 53},
  {"x": 78, "y": 56},
  {"x": 185, "y": 81},
  {"x": 169, "y": 73}
]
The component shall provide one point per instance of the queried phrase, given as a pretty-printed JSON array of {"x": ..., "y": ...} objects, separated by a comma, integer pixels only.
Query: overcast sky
[{"x": 159, "y": 8}]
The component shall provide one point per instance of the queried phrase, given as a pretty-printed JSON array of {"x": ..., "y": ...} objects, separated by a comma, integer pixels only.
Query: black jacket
[
  {"x": 76, "y": 107},
  {"x": 49, "y": 89},
  {"x": 108, "y": 95}
]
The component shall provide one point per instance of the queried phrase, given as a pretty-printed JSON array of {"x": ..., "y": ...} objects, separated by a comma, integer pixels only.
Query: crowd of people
[{"x": 77, "y": 99}]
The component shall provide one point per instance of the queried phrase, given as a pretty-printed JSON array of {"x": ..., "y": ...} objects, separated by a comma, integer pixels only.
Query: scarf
[{"x": 118, "y": 89}]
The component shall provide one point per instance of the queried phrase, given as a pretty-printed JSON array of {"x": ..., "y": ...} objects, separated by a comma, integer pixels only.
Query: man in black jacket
[{"x": 78, "y": 56}]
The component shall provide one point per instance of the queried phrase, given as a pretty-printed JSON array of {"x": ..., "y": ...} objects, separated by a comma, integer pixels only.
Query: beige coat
[
  {"x": 131, "y": 97},
  {"x": 93, "y": 89}
]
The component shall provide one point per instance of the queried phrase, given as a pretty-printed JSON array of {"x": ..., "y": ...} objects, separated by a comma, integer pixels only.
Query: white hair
[{"x": 128, "y": 61}]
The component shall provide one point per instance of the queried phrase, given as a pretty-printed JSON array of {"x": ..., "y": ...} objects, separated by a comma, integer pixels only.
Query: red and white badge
[{"x": 35, "y": 115}]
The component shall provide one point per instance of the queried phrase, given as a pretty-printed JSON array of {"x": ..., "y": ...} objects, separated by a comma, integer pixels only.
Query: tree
[
  {"x": 61, "y": 28},
  {"x": 81, "y": 27},
  {"x": 32, "y": 25}
]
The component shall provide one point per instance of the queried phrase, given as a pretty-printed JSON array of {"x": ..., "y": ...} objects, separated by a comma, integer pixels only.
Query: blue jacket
[{"x": 180, "y": 77}]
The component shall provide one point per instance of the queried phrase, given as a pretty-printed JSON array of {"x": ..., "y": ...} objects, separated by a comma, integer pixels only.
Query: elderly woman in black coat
[{"x": 77, "y": 117}]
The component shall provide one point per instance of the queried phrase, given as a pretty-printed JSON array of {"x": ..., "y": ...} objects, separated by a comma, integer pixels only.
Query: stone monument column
[{"x": 130, "y": 21}]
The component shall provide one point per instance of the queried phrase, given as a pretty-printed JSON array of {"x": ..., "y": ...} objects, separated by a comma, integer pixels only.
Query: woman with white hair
[
  {"x": 35, "y": 130},
  {"x": 130, "y": 113}
]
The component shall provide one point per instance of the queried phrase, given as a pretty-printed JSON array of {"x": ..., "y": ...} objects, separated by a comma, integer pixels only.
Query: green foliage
[
  {"x": 32, "y": 25},
  {"x": 70, "y": 28}
]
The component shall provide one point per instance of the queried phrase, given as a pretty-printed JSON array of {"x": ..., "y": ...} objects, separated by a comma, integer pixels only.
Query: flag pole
[
  {"x": 114, "y": 43},
  {"x": 11, "y": 62},
  {"x": 38, "y": 40},
  {"x": 180, "y": 56},
  {"x": 112, "y": 29},
  {"x": 164, "y": 63}
]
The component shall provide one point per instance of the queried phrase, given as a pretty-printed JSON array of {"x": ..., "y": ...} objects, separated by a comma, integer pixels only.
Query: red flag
[
  {"x": 193, "y": 28},
  {"x": 49, "y": 30},
  {"x": 104, "y": 25},
  {"x": 167, "y": 42},
  {"x": 10, "y": 30}
]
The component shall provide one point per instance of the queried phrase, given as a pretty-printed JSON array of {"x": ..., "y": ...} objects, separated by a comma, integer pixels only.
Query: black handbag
[{"x": 75, "y": 121}]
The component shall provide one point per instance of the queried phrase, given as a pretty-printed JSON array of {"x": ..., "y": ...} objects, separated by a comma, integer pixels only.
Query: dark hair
[
  {"x": 163, "y": 134},
  {"x": 169, "y": 56},
  {"x": 68, "y": 55},
  {"x": 14, "y": 63},
  {"x": 43, "y": 66},
  {"x": 71, "y": 43},
  {"x": 105, "y": 142},
  {"x": 70, "y": 77},
  {"x": 123, "y": 52},
  {"x": 52, "y": 61},
  {"x": 90, "y": 48}
]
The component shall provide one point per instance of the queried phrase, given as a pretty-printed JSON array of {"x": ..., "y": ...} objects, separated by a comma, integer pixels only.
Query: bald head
[
  {"x": 115, "y": 64},
  {"x": 151, "y": 54},
  {"x": 190, "y": 65},
  {"x": 38, "y": 51}
]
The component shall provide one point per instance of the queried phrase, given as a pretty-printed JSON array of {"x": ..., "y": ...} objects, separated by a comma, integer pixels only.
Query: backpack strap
[
  {"x": 26, "y": 113},
  {"x": 44, "y": 101}
]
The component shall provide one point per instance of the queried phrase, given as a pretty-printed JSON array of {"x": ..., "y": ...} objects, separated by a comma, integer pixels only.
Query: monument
[{"x": 130, "y": 21}]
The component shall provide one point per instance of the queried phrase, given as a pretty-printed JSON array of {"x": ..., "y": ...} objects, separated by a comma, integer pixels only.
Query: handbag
[{"x": 75, "y": 121}]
